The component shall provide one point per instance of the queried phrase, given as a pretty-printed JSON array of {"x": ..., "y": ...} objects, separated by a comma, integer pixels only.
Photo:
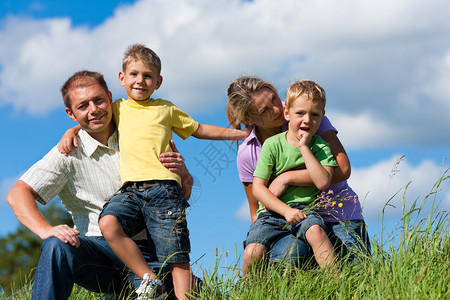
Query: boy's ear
[
  {"x": 71, "y": 115},
  {"x": 159, "y": 82},
  {"x": 122, "y": 78},
  {"x": 286, "y": 114}
]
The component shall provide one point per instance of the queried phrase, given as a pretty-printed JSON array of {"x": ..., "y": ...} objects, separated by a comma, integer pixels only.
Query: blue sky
[{"x": 385, "y": 66}]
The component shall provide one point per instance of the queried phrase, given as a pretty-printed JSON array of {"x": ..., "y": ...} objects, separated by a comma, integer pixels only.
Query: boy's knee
[
  {"x": 316, "y": 231},
  {"x": 108, "y": 225},
  {"x": 254, "y": 251}
]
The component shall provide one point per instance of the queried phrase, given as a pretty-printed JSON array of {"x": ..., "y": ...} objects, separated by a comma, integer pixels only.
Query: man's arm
[
  {"x": 22, "y": 199},
  {"x": 175, "y": 163},
  {"x": 212, "y": 132}
]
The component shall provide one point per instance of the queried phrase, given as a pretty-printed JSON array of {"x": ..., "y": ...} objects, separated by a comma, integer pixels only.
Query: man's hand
[
  {"x": 173, "y": 161},
  {"x": 294, "y": 216},
  {"x": 64, "y": 233}
]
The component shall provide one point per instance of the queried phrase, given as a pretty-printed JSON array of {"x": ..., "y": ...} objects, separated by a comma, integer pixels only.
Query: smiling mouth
[
  {"x": 140, "y": 89},
  {"x": 97, "y": 118}
]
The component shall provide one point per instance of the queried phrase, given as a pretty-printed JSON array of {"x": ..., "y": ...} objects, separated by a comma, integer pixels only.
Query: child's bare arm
[
  {"x": 69, "y": 138},
  {"x": 295, "y": 177},
  {"x": 263, "y": 195},
  {"x": 320, "y": 175},
  {"x": 212, "y": 132},
  {"x": 343, "y": 170},
  {"x": 302, "y": 177}
]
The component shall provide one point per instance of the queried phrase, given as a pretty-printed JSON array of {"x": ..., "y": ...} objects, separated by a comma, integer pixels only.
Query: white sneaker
[{"x": 151, "y": 289}]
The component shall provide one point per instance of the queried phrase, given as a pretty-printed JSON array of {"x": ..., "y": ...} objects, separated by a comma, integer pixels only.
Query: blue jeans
[
  {"x": 270, "y": 226},
  {"x": 93, "y": 265},
  {"x": 348, "y": 237},
  {"x": 160, "y": 207}
]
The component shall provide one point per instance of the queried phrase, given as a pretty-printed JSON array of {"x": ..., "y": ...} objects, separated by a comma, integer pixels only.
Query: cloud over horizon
[{"x": 385, "y": 65}]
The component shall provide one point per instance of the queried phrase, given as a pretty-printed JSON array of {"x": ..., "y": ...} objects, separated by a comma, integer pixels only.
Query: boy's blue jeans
[
  {"x": 93, "y": 265},
  {"x": 348, "y": 237},
  {"x": 159, "y": 207}
]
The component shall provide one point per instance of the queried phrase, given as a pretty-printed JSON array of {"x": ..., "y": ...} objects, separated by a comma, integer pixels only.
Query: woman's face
[{"x": 267, "y": 111}]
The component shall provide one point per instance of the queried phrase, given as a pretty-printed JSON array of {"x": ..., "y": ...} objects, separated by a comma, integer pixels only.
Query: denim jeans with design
[{"x": 93, "y": 265}]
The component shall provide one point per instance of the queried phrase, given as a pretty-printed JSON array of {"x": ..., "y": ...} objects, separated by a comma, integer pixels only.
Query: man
[{"x": 83, "y": 181}]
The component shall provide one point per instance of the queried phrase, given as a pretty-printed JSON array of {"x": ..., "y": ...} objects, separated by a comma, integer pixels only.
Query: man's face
[{"x": 91, "y": 108}]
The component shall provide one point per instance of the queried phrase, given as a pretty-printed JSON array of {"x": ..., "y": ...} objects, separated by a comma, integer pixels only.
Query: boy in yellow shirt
[{"x": 151, "y": 197}]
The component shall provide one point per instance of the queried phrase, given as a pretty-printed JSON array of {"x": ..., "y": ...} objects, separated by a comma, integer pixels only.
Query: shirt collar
[{"x": 90, "y": 144}]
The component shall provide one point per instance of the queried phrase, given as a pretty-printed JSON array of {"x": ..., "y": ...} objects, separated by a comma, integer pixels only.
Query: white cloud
[
  {"x": 243, "y": 212},
  {"x": 376, "y": 184},
  {"x": 385, "y": 65}
]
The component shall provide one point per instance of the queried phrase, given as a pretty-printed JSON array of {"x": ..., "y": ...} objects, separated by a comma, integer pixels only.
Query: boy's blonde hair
[
  {"x": 312, "y": 90},
  {"x": 139, "y": 52},
  {"x": 240, "y": 98}
]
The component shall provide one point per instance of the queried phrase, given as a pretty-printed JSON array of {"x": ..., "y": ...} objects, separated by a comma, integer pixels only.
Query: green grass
[{"x": 411, "y": 262}]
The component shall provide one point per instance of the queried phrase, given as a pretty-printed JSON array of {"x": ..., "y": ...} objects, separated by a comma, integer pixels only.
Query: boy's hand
[
  {"x": 294, "y": 216},
  {"x": 304, "y": 138},
  {"x": 69, "y": 138}
]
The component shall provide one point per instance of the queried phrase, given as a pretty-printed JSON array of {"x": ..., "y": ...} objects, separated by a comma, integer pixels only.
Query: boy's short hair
[
  {"x": 312, "y": 90},
  {"x": 139, "y": 52},
  {"x": 81, "y": 79}
]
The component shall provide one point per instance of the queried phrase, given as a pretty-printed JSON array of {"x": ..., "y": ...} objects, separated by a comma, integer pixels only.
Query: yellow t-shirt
[{"x": 145, "y": 129}]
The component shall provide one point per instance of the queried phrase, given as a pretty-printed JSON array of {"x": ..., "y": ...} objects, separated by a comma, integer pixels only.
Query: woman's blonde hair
[{"x": 240, "y": 98}]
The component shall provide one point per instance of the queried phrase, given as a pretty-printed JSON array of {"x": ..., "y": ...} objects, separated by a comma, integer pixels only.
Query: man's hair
[
  {"x": 240, "y": 97},
  {"x": 138, "y": 52},
  {"x": 312, "y": 90},
  {"x": 81, "y": 79}
]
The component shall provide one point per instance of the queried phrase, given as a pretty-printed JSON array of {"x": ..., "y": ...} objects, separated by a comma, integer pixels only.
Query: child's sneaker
[{"x": 151, "y": 289}]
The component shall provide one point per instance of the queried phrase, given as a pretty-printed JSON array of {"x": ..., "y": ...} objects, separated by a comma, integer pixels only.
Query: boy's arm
[
  {"x": 315, "y": 173},
  {"x": 212, "y": 132},
  {"x": 263, "y": 195},
  {"x": 320, "y": 175},
  {"x": 69, "y": 138}
]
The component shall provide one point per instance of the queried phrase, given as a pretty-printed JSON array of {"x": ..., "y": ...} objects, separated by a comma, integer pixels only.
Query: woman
[{"x": 255, "y": 102}]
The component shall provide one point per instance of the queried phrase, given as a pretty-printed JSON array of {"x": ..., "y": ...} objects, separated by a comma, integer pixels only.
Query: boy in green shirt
[{"x": 298, "y": 148}]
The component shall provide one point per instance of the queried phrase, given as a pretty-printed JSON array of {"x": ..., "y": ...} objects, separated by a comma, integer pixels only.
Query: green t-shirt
[{"x": 278, "y": 156}]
